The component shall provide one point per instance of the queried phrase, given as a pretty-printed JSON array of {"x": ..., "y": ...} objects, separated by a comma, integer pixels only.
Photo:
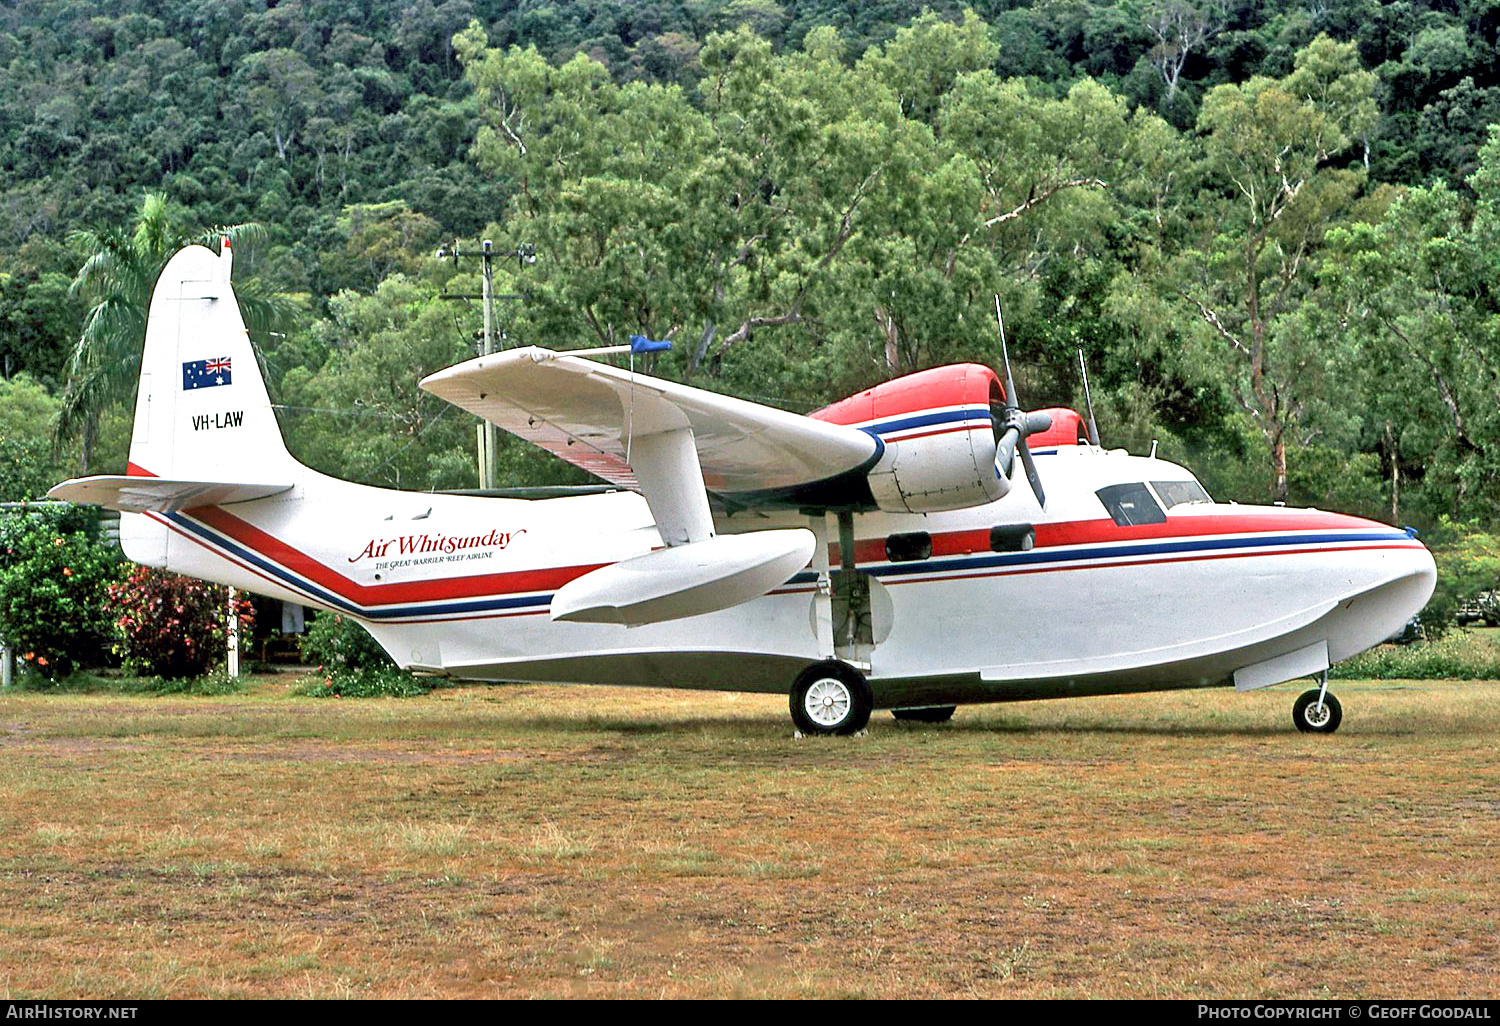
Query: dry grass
[{"x": 518, "y": 841}]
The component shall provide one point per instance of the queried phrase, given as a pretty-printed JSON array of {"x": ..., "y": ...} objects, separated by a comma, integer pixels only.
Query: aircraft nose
[{"x": 1395, "y": 576}]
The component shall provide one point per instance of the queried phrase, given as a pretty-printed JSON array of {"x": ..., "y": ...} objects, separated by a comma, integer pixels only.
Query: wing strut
[{"x": 666, "y": 465}]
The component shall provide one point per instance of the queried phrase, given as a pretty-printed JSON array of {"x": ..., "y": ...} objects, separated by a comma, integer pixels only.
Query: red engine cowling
[{"x": 939, "y": 438}]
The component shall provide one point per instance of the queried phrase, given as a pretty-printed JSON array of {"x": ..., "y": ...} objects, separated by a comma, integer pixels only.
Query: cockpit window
[
  {"x": 1131, "y": 504},
  {"x": 1180, "y": 493}
]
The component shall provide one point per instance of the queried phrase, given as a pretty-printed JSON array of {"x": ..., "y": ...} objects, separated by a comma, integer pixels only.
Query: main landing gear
[
  {"x": 831, "y": 698},
  {"x": 1316, "y": 711}
]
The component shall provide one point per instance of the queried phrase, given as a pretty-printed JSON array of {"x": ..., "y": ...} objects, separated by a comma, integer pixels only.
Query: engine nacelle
[{"x": 939, "y": 436}]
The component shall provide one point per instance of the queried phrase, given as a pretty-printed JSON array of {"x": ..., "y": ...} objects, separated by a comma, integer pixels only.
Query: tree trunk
[
  {"x": 1393, "y": 456},
  {"x": 1278, "y": 463}
]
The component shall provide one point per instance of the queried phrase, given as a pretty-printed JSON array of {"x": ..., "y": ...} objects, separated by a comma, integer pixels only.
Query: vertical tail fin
[{"x": 202, "y": 411}]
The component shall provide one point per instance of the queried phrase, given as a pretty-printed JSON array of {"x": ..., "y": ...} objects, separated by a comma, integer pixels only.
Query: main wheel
[
  {"x": 1313, "y": 718},
  {"x": 926, "y": 714},
  {"x": 831, "y": 698}
]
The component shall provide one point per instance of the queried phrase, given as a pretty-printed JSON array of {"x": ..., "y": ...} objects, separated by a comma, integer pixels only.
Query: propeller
[{"x": 1014, "y": 424}]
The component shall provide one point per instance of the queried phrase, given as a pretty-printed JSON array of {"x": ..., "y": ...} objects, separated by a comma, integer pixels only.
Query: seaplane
[{"x": 921, "y": 545}]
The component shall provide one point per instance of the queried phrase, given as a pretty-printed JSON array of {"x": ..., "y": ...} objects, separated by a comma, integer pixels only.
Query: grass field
[{"x": 521, "y": 841}]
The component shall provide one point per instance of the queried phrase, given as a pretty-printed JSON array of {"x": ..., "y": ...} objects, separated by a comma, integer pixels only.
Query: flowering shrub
[
  {"x": 53, "y": 576},
  {"x": 173, "y": 626}
]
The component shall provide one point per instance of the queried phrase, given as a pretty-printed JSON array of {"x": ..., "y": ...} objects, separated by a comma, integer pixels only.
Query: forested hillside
[{"x": 1269, "y": 227}]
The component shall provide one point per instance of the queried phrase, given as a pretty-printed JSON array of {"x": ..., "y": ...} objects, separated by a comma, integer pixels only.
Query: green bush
[
  {"x": 375, "y": 682},
  {"x": 1458, "y": 655},
  {"x": 173, "y": 626},
  {"x": 337, "y": 642},
  {"x": 54, "y": 576},
  {"x": 214, "y": 682},
  {"x": 352, "y": 664}
]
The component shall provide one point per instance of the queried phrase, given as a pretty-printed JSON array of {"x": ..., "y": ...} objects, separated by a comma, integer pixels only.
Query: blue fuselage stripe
[{"x": 928, "y": 419}]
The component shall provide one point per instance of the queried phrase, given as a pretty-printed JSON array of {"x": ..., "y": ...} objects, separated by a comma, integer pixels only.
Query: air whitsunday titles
[{"x": 918, "y": 546}]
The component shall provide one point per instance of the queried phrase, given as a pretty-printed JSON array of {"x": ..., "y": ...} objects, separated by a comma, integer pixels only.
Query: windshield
[
  {"x": 1180, "y": 493},
  {"x": 1131, "y": 504}
]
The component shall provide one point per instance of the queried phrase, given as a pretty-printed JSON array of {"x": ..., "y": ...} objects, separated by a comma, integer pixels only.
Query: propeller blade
[
  {"x": 1032, "y": 475},
  {"x": 1005, "y": 450},
  {"x": 1017, "y": 424}
]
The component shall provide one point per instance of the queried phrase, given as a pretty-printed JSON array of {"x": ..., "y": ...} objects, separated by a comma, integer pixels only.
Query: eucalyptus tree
[
  {"x": 1269, "y": 145},
  {"x": 1418, "y": 293}
]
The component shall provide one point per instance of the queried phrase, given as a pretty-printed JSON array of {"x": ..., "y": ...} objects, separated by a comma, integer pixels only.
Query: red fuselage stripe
[
  {"x": 1095, "y": 532},
  {"x": 1054, "y": 568},
  {"x": 476, "y": 586}
]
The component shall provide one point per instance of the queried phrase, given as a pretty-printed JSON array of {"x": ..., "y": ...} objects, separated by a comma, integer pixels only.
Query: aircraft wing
[{"x": 595, "y": 416}]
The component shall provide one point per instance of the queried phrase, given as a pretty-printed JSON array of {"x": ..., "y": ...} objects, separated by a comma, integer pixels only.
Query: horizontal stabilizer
[
  {"x": 686, "y": 580},
  {"x": 158, "y": 494}
]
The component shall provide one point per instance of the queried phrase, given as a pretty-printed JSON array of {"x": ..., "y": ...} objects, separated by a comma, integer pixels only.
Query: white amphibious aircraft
[{"x": 884, "y": 552}]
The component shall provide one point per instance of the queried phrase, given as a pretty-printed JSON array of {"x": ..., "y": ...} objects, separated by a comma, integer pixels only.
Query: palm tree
[{"x": 117, "y": 277}]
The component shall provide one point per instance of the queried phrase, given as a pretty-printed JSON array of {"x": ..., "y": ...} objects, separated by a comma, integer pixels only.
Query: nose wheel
[
  {"x": 1317, "y": 711},
  {"x": 831, "y": 698}
]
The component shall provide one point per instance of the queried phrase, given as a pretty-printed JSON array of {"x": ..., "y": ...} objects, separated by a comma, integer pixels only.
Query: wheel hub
[{"x": 828, "y": 702}]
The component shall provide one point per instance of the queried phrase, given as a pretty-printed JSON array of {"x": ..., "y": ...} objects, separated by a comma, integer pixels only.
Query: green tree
[
  {"x": 380, "y": 240},
  {"x": 28, "y": 466},
  {"x": 361, "y": 415},
  {"x": 36, "y": 315},
  {"x": 1268, "y": 142},
  {"x": 1417, "y": 292},
  {"x": 859, "y": 215}
]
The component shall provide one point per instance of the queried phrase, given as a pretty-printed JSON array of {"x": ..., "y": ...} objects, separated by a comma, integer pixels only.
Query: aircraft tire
[
  {"x": 831, "y": 698},
  {"x": 1309, "y": 719},
  {"x": 926, "y": 714}
]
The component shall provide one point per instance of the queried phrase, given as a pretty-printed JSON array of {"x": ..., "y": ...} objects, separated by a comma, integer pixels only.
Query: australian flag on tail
[{"x": 205, "y": 373}]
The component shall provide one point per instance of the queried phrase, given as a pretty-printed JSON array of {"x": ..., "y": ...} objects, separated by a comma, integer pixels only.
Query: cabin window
[
  {"x": 1131, "y": 504},
  {"x": 907, "y": 548},
  {"x": 1180, "y": 493},
  {"x": 1012, "y": 538}
]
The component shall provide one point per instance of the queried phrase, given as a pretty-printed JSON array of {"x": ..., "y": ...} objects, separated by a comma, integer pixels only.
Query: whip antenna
[{"x": 1088, "y": 401}]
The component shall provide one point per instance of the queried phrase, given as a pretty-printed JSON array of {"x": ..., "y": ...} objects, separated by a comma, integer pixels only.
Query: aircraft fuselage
[{"x": 991, "y": 603}]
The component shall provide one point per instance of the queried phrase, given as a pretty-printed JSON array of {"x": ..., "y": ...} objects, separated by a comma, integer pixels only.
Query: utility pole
[
  {"x": 232, "y": 635},
  {"x": 525, "y": 254}
]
